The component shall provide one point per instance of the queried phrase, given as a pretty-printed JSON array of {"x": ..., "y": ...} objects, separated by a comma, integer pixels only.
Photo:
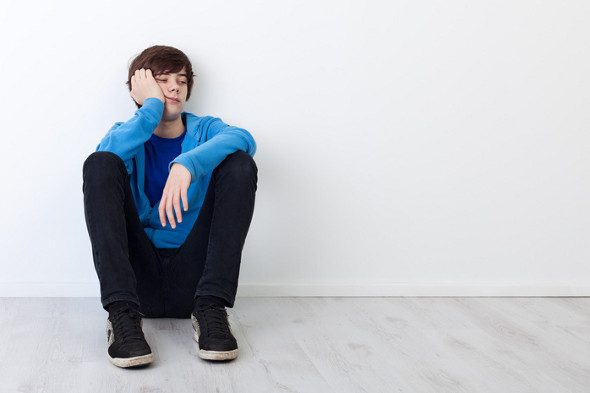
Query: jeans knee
[
  {"x": 101, "y": 170},
  {"x": 240, "y": 166},
  {"x": 102, "y": 162}
]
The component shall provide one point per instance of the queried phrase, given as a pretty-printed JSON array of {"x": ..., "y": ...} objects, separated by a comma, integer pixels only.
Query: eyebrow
[{"x": 168, "y": 73}]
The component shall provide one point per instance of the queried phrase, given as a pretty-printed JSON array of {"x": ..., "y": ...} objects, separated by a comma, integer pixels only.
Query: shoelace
[
  {"x": 126, "y": 325},
  {"x": 214, "y": 321}
]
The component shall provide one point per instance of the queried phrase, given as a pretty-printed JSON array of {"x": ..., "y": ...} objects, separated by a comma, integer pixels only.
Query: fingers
[
  {"x": 169, "y": 204},
  {"x": 133, "y": 88},
  {"x": 165, "y": 211},
  {"x": 184, "y": 196},
  {"x": 170, "y": 214},
  {"x": 142, "y": 86},
  {"x": 176, "y": 188},
  {"x": 161, "y": 210},
  {"x": 133, "y": 85},
  {"x": 176, "y": 200},
  {"x": 141, "y": 75}
]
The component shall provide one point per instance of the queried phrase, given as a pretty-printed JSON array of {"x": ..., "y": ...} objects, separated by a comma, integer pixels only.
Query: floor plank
[{"x": 312, "y": 345}]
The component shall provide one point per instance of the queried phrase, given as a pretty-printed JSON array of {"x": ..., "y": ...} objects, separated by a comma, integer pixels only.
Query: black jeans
[{"x": 164, "y": 282}]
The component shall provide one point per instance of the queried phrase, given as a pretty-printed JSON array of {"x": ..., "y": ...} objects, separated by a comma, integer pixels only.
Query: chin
[{"x": 171, "y": 115}]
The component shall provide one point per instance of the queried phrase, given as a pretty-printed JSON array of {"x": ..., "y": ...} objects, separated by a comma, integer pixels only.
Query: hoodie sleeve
[
  {"x": 125, "y": 139},
  {"x": 221, "y": 140}
]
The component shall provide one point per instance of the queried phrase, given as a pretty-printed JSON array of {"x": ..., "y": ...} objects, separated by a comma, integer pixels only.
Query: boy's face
[{"x": 175, "y": 88}]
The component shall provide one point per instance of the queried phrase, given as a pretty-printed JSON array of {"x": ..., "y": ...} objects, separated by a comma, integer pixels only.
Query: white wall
[{"x": 405, "y": 148}]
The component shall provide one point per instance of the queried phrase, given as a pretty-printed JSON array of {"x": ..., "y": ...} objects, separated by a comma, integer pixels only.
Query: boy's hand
[
  {"x": 144, "y": 86},
  {"x": 179, "y": 179}
]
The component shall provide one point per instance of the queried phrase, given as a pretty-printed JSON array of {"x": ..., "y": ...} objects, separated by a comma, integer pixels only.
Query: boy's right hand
[{"x": 144, "y": 86}]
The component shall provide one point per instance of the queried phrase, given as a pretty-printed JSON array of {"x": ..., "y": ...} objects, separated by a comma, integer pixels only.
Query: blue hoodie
[{"x": 207, "y": 142}]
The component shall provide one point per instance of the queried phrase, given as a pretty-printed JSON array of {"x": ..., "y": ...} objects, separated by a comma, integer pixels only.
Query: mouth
[{"x": 172, "y": 99}]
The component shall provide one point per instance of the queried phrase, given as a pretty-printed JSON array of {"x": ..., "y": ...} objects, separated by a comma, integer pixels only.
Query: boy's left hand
[{"x": 179, "y": 179}]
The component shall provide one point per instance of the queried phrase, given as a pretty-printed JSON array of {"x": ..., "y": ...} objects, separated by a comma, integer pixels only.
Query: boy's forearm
[
  {"x": 125, "y": 138},
  {"x": 205, "y": 157}
]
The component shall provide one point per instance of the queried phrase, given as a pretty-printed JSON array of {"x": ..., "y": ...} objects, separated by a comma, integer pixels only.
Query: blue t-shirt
[{"x": 159, "y": 152}]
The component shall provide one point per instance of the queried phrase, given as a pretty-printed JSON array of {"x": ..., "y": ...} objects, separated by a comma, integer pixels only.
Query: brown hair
[{"x": 159, "y": 59}]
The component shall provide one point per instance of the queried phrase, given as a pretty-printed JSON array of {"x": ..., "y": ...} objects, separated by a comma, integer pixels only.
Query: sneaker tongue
[
  {"x": 126, "y": 322},
  {"x": 207, "y": 306},
  {"x": 205, "y": 301},
  {"x": 216, "y": 321},
  {"x": 123, "y": 305}
]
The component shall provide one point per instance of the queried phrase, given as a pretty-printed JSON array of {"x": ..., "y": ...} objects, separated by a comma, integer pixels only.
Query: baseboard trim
[
  {"x": 91, "y": 289},
  {"x": 420, "y": 290}
]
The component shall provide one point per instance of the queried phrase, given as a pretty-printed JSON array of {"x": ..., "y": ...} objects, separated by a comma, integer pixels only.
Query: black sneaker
[
  {"x": 213, "y": 333},
  {"x": 127, "y": 345}
]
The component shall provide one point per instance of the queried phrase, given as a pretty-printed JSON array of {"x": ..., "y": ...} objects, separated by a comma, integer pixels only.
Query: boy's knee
[
  {"x": 239, "y": 164},
  {"x": 103, "y": 161}
]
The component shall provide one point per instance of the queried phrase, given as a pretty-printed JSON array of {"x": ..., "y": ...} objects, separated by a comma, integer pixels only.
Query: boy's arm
[
  {"x": 124, "y": 139},
  {"x": 221, "y": 141}
]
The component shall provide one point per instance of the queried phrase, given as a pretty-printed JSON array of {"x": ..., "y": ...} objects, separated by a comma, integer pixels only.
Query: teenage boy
[{"x": 168, "y": 200}]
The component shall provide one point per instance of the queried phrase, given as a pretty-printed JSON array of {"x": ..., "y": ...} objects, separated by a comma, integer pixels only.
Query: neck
[{"x": 170, "y": 128}]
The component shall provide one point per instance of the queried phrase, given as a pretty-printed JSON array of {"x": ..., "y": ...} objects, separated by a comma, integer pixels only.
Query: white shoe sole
[
  {"x": 132, "y": 362},
  {"x": 127, "y": 362},
  {"x": 215, "y": 355}
]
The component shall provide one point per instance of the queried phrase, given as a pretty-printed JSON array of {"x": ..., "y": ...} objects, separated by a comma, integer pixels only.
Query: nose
[{"x": 173, "y": 86}]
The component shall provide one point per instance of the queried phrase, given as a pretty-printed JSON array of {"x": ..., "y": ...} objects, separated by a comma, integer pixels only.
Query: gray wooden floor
[{"x": 312, "y": 345}]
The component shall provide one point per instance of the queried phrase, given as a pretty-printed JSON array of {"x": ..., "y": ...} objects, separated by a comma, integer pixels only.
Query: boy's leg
[
  {"x": 208, "y": 262},
  {"x": 209, "y": 259},
  {"x": 123, "y": 254}
]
